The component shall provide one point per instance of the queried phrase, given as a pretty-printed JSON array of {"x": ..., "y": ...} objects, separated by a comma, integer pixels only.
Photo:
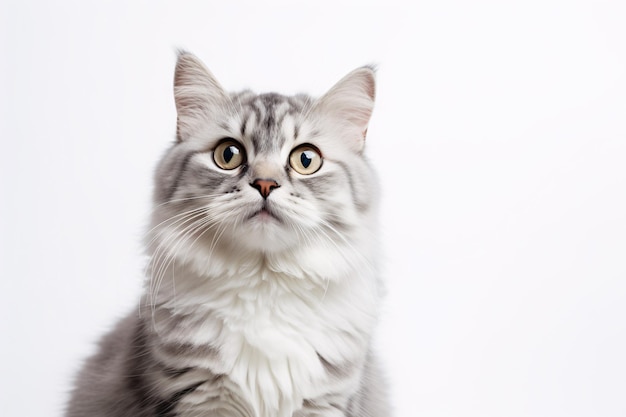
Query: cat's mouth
[{"x": 266, "y": 213}]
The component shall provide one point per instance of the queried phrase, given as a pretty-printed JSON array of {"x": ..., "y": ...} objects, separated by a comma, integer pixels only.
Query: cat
[{"x": 263, "y": 287}]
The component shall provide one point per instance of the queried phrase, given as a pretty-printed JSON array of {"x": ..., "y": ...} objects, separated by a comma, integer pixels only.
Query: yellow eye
[
  {"x": 229, "y": 154},
  {"x": 305, "y": 159}
]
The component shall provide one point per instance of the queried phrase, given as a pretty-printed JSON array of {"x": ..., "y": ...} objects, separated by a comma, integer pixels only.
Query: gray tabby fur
[{"x": 254, "y": 306}]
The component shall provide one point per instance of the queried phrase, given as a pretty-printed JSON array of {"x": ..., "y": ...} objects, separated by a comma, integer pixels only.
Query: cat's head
[{"x": 265, "y": 173}]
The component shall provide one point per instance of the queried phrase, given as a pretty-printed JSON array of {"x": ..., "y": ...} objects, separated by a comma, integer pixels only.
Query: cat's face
[{"x": 266, "y": 172}]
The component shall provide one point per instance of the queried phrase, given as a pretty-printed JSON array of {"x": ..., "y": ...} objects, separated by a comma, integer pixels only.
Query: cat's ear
[
  {"x": 350, "y": 103},
  {"x": 198, "y": 95}
]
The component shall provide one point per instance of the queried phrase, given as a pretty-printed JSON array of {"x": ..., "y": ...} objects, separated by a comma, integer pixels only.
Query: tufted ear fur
[
  {"x": 197, "y": 93},
  {"x": 350, "y": 103}
]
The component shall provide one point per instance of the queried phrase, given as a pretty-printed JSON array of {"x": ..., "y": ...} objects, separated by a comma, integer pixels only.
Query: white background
[{"x": 499, "y": 135}]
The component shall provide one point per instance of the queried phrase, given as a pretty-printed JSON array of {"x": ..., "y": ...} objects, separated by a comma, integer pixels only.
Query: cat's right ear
[{"x": 197, "y": 94}]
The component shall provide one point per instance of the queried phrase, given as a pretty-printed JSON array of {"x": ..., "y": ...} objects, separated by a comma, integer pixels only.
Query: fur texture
[{"x": 262, "y": 290}]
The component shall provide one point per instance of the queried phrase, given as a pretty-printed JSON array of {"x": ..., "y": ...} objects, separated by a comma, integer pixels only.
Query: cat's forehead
[
  {"x": 269, "y": 120},
  {"x": 269, "y": 101}
]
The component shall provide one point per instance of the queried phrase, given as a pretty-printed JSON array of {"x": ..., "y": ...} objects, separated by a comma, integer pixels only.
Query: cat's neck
[{"x": 192, "y": 281}]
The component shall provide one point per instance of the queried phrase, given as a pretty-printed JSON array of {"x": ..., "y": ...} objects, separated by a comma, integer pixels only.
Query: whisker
[
  {"x": 178, "y": 218},
  {"x": 167, "y": 249}
]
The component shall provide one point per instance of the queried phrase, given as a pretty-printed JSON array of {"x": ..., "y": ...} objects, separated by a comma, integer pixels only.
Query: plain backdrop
[{"x": 500, "y": 139}]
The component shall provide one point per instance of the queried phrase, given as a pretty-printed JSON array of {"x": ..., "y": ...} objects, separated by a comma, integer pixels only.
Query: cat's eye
[
  {"x": 305, "y": 159},
  {"x": 229, "y": 154}
]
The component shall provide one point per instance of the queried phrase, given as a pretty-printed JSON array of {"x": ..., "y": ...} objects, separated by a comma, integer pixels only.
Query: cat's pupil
[
  {"x": 306, "y": 158},
  {"x": 229, "y": 153}
]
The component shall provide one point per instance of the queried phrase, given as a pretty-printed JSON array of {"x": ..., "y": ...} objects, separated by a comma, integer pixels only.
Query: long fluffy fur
[{"x": 253, "y": 307}]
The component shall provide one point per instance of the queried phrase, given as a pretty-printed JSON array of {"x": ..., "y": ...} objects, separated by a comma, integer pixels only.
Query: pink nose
[{"x": 265, "y": 187}]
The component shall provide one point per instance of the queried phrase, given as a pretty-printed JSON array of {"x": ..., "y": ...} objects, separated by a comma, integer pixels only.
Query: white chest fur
[
  {"x": 271, "y": 328},
  {"x": 274, "y": 361}
]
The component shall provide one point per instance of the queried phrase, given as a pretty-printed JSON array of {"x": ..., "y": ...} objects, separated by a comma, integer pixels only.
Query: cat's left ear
[{"x": 350, "y": 103}]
